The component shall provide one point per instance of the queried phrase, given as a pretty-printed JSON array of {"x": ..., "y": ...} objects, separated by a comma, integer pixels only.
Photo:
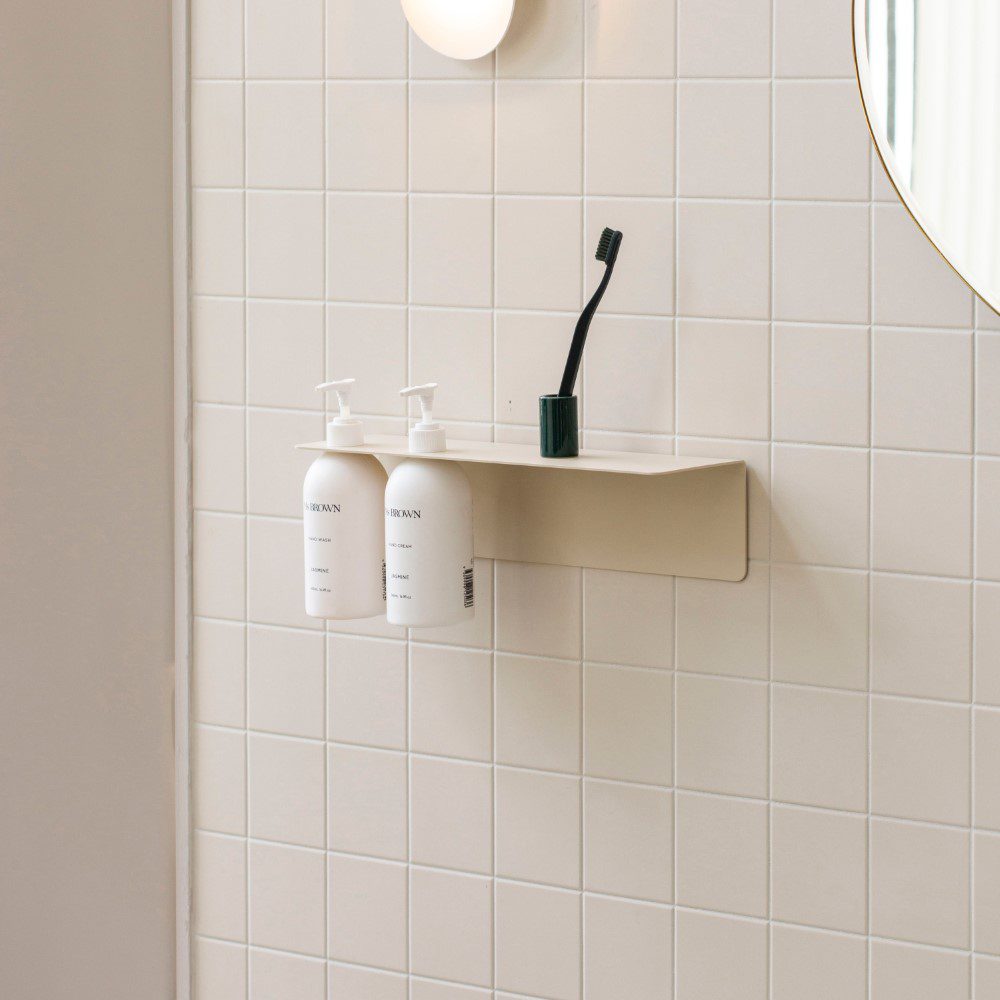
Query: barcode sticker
[
  {"x": 383, "y": 580},
  {"x": 467, "y": 583}
]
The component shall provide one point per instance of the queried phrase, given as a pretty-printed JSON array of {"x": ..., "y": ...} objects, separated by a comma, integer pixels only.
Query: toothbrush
[{"x": 607, "y": 251}]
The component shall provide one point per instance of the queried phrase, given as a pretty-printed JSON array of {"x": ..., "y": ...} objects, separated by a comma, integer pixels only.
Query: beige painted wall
[{"x": 86, "y": 633}]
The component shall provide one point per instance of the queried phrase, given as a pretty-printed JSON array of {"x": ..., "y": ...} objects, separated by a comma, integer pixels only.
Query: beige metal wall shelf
[{"x": 606, "y": 510}]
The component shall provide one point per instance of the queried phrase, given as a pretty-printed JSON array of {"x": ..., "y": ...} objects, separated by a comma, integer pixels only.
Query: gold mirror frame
[{"x": 886, "y": 155}]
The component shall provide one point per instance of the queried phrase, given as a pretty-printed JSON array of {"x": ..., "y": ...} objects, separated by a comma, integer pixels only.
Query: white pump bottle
[
  {"x": 342, "y": 517},
  {"x": 428, "y": 531}
]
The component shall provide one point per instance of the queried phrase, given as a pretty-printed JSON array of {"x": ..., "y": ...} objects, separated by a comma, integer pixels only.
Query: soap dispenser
[
  {"x": 344, "y": 534},
  {"x": 428, "y": 530}
]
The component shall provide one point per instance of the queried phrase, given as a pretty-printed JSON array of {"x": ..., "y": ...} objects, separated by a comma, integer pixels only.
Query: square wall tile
[
  {"x": 275, "y": 468},
  {"x": 366, "y": 136},
  {"x": 722, "y": 628},
  {"x": 921, "y": 513},
  {"x": 987, "y": 893},
  {"x": 544, "y": 40},
  {"x": 217, "y": 38},
  {"x": 216, "y": 133},
  {"x": 724, "y": 139},
  {"x": 920, "y": 883},
  {"x": 819, "y": 627},
  {"x": 286, "y": 794},
  {"x": 539, "y": 134},
  {"x": 819, "y": 508},
  {"x": 628, "y": 724},
  {"x": 628, "y": 618},
  {"x": 821, "y": 267},
  {"x": 644, "y": 279},
  {"x": 451, "y": 926},
  {"x": 921, "y": 643},
  {"x": 987, "y": 976},
  {"x": 217, "y": 242},
  {"x": 812, "y": 40},
  {"x": 628, "y": 949},
  {"x": 285, "y": 674},
  {"x": 821, "y": 141},
  {"x": 723, "y": 38},
  {"x": 451, "y": 137},
  {"x": 821, "y": 384},
  {"x": 538, "y": 609},
  {"x": 633, "y": 153},
  {"x": 818, "y": 965},
  {"x": 219, "y": 896},
  {"x": 218, "y": 787},
  {"x": 538, "y": 253},
  {"x": 284, "y": 344},
  {"x": 628, "y": 840},
  {"x": 274, "y": 557},
  {"x": 274, "y": 976},
  {"x": 365, "y": 38},
  {"x": 634, "y": 351},
  {"x": 819, "y": 869},
  {"x": 723, "y": 379},
  {"x": 217, "y": 458},
  {"x": 285, "y": 135},
  {"x": 367, "y": 691},
  {"x": 538, "y": 713},
  {"x": 538, "y": 941},
  {"x": 426, "y": 989},
  {"x": 722, "y": 850},
  {"x": 451, "y": 814},
  {"x": 369, "y": 343},
  {"x": 913, "y": 285},
  {"x": 530, "y": 357},
  {"x": 287, "y": 908},
  {"x": 538, "y": 827},
  {"x": 451, "y": 702},
  {"x": 630, "y": 38},
  {"x": 819, "y": 748},
  {"x": 367, "y": 802},
  {"x": 987, "y": 524},
  {"x": 218, "y": 694},
  {"x": 986, "y": 641},
  {"x": 285, "y": 244},
  {"x": 920, "y": 760},
  {"x": 923, "y": 390},
  {"x": 902, "y": 972},
  {"x": 454, "y": 348},
  {"x": 366, "y": 247},
  {"x": 217, "y": 353},
  {"x": 345, "y": 982},
  {"x": 284, "y": 38},
  {"x": 219, "y": 970},
  {"x": 722, "y": 735},
  {"x": 219, "y": 570},
  {"x": 725, "y": 268},
  {"x": 987, "y": 402},
  {"x": 986, "y": 726},
  {"x": 451, "y": 251},
  {"x": 702, "y": 938},
  {"x": 366, "y": 912}
]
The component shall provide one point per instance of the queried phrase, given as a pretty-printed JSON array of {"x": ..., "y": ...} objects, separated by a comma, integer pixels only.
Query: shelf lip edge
[{"x": 588, "y": 461}]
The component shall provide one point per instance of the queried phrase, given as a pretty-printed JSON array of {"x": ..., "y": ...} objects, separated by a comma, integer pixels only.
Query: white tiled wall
[{"x": 609, "y": 787}]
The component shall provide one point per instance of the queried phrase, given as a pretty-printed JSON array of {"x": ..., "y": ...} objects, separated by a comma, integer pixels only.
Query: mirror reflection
[{"x": 930, "y": 75}]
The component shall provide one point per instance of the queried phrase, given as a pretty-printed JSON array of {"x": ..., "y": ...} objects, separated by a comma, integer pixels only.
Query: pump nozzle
[
  {"x": 343, "y": 431},
  {"x": 426, "y": 436}
]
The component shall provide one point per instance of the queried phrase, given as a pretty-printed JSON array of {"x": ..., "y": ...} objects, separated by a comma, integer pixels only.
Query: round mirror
[
  {"x": 460, "y": 29},
  {"x": 930, "y": 80}
]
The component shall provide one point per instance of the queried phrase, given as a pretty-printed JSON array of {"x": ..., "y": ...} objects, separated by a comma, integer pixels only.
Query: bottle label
[{"x": 468, "y": 587}]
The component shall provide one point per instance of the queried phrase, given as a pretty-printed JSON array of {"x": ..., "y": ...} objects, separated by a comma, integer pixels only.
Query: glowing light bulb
[{"x": 460, "y": 29}]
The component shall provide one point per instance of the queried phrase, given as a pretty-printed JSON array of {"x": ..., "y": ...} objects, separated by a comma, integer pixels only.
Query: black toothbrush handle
[{"x": 580, "y": 334}]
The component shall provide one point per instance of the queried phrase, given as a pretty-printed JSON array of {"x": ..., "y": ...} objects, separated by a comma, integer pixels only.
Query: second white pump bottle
[{"x": 428, "y": 531}]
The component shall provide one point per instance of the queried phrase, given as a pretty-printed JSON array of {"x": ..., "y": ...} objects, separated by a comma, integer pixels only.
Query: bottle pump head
[
  {"x": 425, "y": 436},
  {"x": 344, "y": 431}
]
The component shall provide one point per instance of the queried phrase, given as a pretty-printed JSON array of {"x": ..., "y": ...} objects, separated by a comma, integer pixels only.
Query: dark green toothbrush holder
[{"x": 559, "y": 426}]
